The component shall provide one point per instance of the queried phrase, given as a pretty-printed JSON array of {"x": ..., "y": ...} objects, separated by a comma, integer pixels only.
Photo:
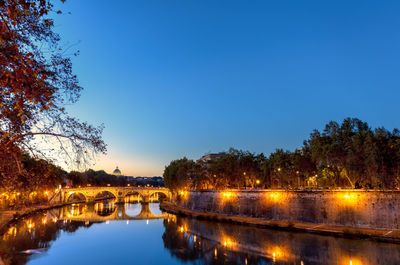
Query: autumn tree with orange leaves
[{"x": 36, "y": 83}]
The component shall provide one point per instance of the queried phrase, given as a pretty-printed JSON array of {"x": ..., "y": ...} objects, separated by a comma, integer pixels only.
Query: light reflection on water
[{"x": 109, "y": 233}]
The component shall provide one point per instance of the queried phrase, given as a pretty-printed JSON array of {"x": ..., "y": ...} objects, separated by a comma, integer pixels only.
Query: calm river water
[{"x": 106, "y": 233}]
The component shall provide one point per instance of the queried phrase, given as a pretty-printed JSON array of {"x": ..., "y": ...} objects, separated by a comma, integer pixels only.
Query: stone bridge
[
  {"x": 101, "y": 212},
  {"x": 119, "y": 193}
]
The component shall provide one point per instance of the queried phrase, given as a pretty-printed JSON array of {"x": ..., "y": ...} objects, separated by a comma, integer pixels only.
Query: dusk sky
[{"x": 182, "y": 78}]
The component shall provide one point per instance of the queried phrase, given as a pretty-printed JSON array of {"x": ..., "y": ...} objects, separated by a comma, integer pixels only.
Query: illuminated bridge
[
  {"x": 90, "y": 194},
  {"x": 101, "y": 212}
]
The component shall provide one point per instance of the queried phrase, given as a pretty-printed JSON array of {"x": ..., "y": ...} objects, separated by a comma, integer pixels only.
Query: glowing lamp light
[
  {"x": 352, "y": 261},
  {"x": 273, "y": 196},
  {"x": 350, "y": 197},
  {"x": 258, "y": 181},
  {"x": 227, "y": 195}
]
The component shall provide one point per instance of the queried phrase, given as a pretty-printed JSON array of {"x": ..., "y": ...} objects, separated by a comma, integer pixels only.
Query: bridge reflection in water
[{"x": 104, "y": 211}]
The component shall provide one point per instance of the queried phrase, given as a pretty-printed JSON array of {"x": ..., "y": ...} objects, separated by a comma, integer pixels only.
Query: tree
[
  {"x": 283, "y": 171},
  {"x": 349, "y": 154},
  {"x": 37, "y": 82},
  {"x": 179, "y": 174}
]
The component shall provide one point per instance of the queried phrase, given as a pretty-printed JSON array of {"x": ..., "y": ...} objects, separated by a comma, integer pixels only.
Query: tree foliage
[
  {"x": 37, "y": 82},
  {"x": 350, "y": 155}
]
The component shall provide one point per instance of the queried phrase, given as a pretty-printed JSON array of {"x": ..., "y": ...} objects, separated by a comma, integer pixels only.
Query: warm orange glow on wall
[
  {"x": 273, "y": 196},
  {"x": 351, "y": 261},
  {"x": 227, "y": 195},
  {"x": 348, "y": 197},
  {"x": 183, "y": 194}
]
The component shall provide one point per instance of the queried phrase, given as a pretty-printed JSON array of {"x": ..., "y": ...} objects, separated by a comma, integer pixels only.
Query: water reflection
[
  {"x": 31, "y": 234},
  {"x": 187, "y": 240},
  {"x": 105, "y": 208},
  {"x": 222, "y": 243},
  {"x": 76, "y": 209}
]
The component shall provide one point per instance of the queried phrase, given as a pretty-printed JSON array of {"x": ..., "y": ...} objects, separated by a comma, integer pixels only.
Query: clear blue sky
[{"x": 182, "y": 78}]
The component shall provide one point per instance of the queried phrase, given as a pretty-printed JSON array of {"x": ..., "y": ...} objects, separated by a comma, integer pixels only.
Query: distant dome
[{"x": 117, "y": 172}]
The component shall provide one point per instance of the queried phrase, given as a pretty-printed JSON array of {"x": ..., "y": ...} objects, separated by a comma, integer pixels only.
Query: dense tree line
[{"x": 348, "y": 155}]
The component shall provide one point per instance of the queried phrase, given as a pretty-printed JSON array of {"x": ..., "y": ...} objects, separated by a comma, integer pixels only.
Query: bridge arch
[
  {"x": 164, "y": 195},
  {"x": 104, "y": 194},
  {"x": 76, "y": 196},
  {"x": 119, "y": 193},
  {"x": 133, "y": 196}
]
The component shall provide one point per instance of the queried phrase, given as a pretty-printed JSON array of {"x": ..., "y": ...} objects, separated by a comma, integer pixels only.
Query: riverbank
[{"x": 385, "y": 235}]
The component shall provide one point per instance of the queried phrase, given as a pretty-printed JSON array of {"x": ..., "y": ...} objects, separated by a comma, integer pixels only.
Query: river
[{"x": 108, "y": 233}]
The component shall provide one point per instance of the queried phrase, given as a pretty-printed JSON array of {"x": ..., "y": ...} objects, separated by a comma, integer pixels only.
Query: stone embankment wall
[{"x": 364, "y": 209}]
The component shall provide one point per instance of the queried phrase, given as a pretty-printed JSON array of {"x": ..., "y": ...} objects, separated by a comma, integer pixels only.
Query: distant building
[
  {"x": 212, "y": 156},
  {"x": 155, "y": 181},
  {"x": 117, "y": 172}
]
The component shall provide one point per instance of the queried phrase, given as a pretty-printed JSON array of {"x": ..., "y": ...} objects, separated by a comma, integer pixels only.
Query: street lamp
[{"x": 257, "y": 183}]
